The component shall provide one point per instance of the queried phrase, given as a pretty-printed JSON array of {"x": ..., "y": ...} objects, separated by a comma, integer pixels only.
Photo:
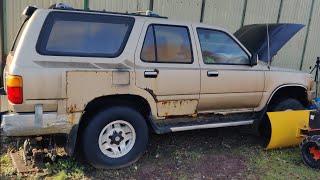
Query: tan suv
[{"x": 105, "y": 79}]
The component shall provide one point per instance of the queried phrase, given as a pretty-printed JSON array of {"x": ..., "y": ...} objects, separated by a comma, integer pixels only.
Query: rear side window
[
  {"x": 167, "y": 44},
  {"x": 89, "y": 35}
]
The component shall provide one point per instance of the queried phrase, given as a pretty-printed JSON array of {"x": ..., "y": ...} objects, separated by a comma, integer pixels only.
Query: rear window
[{"x": 89, "y": 35}]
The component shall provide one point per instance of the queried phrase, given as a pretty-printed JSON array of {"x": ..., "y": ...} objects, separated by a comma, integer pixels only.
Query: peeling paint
[
  {"x": 84, "y": 86},
  {"x": 175, "y": 108},
  {"x": 72, "y": 108},
  {"x": 71, "y": 118}
]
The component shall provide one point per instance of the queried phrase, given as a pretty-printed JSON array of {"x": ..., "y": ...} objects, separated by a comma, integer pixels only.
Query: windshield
[{"x": 17, "y": 39}]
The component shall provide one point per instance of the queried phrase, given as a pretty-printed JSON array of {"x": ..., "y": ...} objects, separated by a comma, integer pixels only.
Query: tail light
[{"x": 14, "y": 89}]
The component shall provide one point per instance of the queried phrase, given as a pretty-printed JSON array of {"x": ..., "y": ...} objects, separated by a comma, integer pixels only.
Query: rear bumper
[{"x": 27, "y": 124}]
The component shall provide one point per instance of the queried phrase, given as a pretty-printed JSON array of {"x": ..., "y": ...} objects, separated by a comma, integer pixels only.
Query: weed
[{"x": 6, "y": 168}]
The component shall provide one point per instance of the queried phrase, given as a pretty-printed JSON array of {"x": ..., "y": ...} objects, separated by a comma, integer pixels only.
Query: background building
[{"x": 300, "y": 53}]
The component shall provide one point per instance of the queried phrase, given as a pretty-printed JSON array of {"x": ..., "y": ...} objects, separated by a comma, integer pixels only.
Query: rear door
[{"x": 167, "y": 67}]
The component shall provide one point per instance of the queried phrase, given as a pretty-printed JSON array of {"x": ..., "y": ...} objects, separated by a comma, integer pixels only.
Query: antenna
[{"x": 268, "y": 41}]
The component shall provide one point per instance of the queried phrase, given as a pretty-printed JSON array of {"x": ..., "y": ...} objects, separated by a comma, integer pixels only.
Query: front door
[
  {"x": 228, "y": 81},
  {"x": 167, "y": 67}
]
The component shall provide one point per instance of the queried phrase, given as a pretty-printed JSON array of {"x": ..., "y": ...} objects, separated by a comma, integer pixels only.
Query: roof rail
[
  {"x": 147, "y": 13},
  {"x": 60, "y": 6}
]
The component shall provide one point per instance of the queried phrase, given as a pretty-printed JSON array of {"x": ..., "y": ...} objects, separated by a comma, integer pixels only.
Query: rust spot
[
  {"x": 195, "y": 114},
  {"x": 71, "y": 118},
  {"x": 72, "y": 108},
  {"x": 177, "y": 108}
]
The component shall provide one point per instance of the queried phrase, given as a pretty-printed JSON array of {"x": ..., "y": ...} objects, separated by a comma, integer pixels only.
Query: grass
[
  {"x": 225, "y": 153},
  {"x": 282, "y": 164},
  {"x": 66, "y": 169},
  {"x": 6, "y": 166}
]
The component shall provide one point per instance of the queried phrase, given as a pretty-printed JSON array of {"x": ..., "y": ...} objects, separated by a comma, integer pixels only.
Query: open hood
[{"x": 255, "y": 38}]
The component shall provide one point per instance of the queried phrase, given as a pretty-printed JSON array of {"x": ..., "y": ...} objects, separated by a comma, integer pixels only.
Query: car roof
[
  {"x": 154, "y": 18},
  {"x": 135, "y": 14}
]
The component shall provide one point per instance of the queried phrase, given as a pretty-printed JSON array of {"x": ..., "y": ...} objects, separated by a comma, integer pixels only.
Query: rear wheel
[
  {"x": 115, "y": 138},
  {"x": 280, "y": 105}
]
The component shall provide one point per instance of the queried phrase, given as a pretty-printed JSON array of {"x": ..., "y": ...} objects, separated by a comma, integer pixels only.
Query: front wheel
[
  {"x": 287, "y": 104},
  {"x": 115, "y": 138}
]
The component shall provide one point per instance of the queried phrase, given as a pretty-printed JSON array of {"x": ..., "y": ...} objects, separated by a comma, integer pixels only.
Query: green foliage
[
  {"x": 281, "y": 164},
  {"x": 6, "y": 168},
  {"x": 66, "y": 168},
  {"x": 60, "y": 176}
]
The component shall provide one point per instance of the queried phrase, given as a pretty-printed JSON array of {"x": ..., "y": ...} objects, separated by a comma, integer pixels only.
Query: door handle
[
  {"x": 151, "y": 73},
  {"x": 212, "y": 73}
]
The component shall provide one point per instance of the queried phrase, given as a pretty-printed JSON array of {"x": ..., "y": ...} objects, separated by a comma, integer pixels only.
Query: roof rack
[
  {"x": 60, "y": 6},
  {"x": 148, "y": 13}
]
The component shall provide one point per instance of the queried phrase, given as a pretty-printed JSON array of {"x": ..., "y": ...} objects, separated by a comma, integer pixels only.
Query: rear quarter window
[{"x": 79, "y": 34}]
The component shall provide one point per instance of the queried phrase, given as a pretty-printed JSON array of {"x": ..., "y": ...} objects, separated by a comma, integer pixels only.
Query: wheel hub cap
[{"x": 117, "y": 138}]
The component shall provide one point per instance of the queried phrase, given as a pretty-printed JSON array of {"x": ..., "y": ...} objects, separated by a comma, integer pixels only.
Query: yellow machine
[
  {"x": 291, "y": 128},
  {"x": 287, "y": 128}
]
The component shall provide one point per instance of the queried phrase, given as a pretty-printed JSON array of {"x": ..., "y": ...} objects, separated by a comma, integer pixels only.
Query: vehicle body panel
[
  {"x": 177, "y": 86},
  {"x": 236, "y": 86}
]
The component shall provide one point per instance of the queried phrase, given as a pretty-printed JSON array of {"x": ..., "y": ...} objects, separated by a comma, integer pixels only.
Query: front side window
[
  {"x": 89, "y": 35},
  {"x": 167, "y": 44},
  {"x": 219, "y": 48}
]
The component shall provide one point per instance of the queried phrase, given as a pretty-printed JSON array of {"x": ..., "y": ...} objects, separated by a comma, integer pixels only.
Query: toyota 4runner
[{"x": 105, "y": 79}]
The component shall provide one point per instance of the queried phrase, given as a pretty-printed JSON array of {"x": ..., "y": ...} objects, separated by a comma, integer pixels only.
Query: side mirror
[{"x": 254, "y": 60}]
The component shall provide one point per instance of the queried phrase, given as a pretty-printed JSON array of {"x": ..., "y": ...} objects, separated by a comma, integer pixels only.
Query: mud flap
[
  {"x": 287, "y": 127},
  {"x": 3, "y": 103}
]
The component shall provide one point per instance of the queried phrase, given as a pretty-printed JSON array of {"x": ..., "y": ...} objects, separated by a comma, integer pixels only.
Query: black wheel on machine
[
  {"x": 115, "y": 137},
  {"x": 310, "y": 151},
  {"x": 285, "y": 104}
]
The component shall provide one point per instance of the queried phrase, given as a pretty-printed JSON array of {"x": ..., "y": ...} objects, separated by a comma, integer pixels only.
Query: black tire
[
  {"x": 307, "y": 156},
  {"x": 280, "y": 105},
  {"x": 90, "y": 137},
  {"x": 287, "y": 104}
]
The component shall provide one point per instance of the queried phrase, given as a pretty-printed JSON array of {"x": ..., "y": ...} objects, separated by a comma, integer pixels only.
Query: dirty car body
[{"x": 67, "y": 66}]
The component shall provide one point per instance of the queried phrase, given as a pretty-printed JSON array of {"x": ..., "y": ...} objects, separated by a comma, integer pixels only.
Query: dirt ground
[{"x": 224, "y": 153}]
